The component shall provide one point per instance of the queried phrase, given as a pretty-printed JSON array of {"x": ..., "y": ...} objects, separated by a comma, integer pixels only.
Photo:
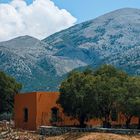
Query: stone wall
[{"x": 54, "y": 131}]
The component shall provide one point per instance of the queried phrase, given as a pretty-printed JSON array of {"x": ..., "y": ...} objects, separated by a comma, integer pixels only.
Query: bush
[{"x": 5, "y": 116}]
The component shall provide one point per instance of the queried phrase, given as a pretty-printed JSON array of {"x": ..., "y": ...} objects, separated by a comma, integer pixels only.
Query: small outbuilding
[
  {"x": 36, "y": 109},
  {"x": 39, "y": 108}
]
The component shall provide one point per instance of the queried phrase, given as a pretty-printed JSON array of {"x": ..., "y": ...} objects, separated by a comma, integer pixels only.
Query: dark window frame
[
  {"x": 55, "y": 114},
  {"x": 26, "y": 114}
]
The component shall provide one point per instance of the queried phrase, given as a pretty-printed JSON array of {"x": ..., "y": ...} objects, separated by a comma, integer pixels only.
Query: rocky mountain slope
[
  {"x": 25, "y": 58},
  {"x": 113, "y": 38}
]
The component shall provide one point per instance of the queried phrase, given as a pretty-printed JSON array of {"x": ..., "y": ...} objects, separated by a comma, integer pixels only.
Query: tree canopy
[
  {"x": 129, "y": 101},
  {"x": 8, "y": 88},
  {"x": 99, "y": 94},
  {"x": 109, "y": 86},
  {"x": 77, "y": 96}
]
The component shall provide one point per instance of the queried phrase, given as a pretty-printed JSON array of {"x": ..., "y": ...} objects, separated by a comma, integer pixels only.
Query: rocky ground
[{"x": 8, "y": 133}]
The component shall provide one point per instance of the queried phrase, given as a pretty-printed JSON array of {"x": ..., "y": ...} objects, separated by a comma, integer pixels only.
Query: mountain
[
  {"x": 112, "y": 38},
  {"x": 25, "y": 59},
  {"x": 41, "y": 64}
]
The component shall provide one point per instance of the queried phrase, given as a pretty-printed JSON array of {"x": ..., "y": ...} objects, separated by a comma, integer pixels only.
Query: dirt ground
[{"x": 93, "y": 136}]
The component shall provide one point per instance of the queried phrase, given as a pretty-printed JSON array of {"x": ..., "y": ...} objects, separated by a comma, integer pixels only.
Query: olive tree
[
  {"x": 8, "y": 88},
  {"x": 77, "y": 96}
]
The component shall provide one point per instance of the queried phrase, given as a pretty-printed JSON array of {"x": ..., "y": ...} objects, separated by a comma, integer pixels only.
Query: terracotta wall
[
  {"x": 23, "y": 101},
  {"x": 121, "y": 120},
  {"x": 45, "y": 102}
]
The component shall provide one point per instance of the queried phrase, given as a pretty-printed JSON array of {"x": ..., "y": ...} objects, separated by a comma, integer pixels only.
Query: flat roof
[{"x": 42, "y": 92}]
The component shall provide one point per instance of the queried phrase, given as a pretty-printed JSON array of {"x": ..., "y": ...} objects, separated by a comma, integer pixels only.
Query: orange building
[{"x": 39, "y": 108}]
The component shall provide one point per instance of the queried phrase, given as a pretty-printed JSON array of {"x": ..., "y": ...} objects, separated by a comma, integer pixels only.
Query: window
[
  {"x": 25, "y": 114},
  {"x": 54, "y": 115}
]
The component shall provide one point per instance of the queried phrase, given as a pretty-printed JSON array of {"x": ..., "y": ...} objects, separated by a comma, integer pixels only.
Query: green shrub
[{"x": 5, "y": 116}]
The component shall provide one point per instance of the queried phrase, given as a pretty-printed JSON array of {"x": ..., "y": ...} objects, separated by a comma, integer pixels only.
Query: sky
[
  {"x": 88, "y": 9},
  {"x": 41, "y": 18}
]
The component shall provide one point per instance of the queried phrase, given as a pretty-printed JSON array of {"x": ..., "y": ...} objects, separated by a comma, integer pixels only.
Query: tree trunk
[
  {"x": 106, "y": 122},
  {"x": 139, "y": 123},
  {"x": 82, "y": 121},
  {"x": 0, "y": 106},
  {"x": 128, "y": 120}
]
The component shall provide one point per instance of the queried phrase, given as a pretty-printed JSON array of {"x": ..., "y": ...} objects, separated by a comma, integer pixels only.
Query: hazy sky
[{"x": 41, "y": 18}]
